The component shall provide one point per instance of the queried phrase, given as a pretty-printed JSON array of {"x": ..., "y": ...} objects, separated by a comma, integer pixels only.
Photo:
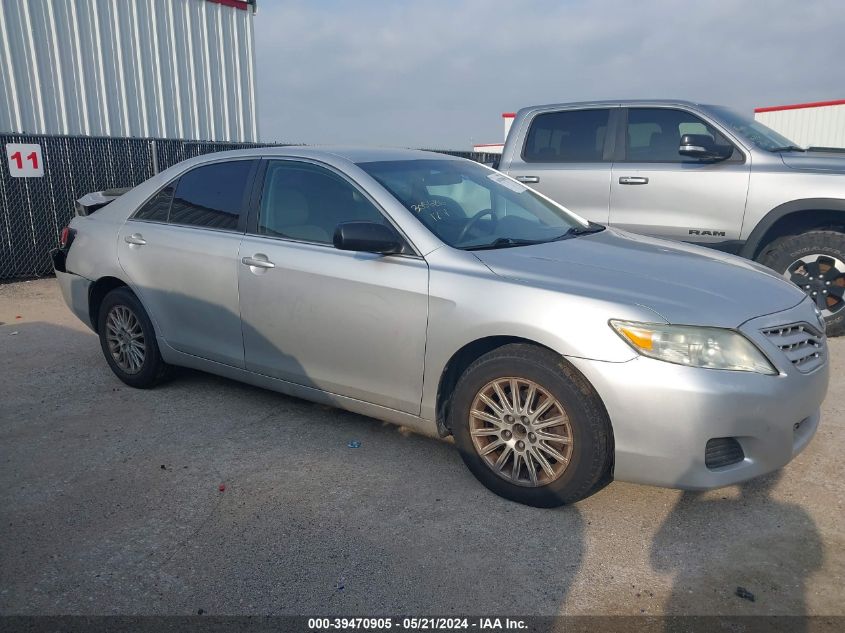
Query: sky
[{"x": 439, "y": 73}]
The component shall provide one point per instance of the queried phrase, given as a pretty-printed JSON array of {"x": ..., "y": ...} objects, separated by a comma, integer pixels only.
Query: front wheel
[
  {"x": 128, "y": 340},
  {"x": 815, "y": 262},
  {"x": 530, "y": 427}
]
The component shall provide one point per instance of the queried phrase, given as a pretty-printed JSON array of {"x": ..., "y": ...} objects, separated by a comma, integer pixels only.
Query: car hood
[
  {"x": 815, "y": 161},
  {"x": 682, "y": 283}
]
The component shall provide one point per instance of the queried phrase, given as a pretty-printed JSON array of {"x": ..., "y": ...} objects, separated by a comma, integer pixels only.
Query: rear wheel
[
  {"x": 815, "y": 262},
  {"x": 128, "y": 340},
  {"x": 531, "y": 428}
]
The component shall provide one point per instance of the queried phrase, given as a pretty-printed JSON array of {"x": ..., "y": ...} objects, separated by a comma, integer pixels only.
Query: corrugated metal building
[
  {"x": 128, "y": 68},
  {"x": 818, "y": 124}
]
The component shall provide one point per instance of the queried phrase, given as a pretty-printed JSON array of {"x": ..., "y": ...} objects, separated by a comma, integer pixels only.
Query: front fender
[{"x": 464, "y": 309}]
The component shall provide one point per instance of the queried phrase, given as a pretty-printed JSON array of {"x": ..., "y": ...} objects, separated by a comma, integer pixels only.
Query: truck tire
[
  {"x": 531, "y": 428},
  {"x": 815, "y": 261}
]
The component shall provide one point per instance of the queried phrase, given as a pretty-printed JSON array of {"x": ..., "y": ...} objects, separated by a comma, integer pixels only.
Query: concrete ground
[{"x": 110, "y": 503}]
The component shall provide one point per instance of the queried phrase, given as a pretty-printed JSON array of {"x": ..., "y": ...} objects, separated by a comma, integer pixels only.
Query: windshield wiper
[
  {"x": 591, "y": 227},
  {"x": 503, "y": 242},
  {"x": 788, "y": 148},
  {"x": 508, "y": 242}
]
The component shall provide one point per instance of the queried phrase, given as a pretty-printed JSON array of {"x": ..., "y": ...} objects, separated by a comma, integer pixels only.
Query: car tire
[
  {"x": 128, "y": 340},
  {"x": 587, "y": 457},
  {"x": 827, "y": 247}
]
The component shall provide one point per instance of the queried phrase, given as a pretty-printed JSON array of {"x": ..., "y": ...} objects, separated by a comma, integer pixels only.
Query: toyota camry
[{"x": 438, "y": 294}]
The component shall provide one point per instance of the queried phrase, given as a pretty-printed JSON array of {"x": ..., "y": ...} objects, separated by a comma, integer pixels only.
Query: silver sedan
[{"x": 441, "y": 295}]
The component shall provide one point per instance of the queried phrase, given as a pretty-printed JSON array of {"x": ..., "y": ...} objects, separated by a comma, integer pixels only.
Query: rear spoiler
[{"x": 91, "y": 202}]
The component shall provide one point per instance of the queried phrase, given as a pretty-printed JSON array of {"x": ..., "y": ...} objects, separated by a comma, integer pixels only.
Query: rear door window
[
  {"x": 212, "y": 196},
  {"x": 570, "y": 136}
]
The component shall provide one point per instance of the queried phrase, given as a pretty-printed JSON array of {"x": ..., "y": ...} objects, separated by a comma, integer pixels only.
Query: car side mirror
[
  {"x": 368, "y": 237},
  {"x": 702, "y": 147}
]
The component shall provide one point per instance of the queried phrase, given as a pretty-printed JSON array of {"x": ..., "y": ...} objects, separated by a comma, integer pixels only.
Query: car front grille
[{"x": 802, "y": 345}]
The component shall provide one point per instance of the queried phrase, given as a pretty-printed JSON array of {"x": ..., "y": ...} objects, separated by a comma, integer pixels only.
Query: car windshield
[
  {"x": 469, "y": 206},
  {"x": 762, "y": 136}
]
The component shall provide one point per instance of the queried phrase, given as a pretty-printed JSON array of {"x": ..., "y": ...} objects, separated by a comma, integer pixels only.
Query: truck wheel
[
  {"x": 530, "y": 427},
  {"x": 815, "y": 261},
  {"x": 128, "y": 340}
]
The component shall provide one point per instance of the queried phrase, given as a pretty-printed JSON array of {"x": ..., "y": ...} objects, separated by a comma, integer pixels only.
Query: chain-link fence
[{"x": 34, "y": 210}]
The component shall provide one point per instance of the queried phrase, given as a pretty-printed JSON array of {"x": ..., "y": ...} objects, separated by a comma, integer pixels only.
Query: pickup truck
[{"x": 699, "y": 173}]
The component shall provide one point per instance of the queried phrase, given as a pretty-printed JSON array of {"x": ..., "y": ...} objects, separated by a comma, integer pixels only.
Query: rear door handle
[
  {"x": 136, "y": 238},
  {"x": 258, "y": 261},
  {"x": 528, "y": 179},
  {"x": 633, "y": 180}
]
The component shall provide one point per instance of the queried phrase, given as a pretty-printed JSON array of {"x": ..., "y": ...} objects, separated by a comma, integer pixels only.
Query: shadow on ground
[
  {"x": 111, "y": 504},
  {"x": 739, "y": 550}
]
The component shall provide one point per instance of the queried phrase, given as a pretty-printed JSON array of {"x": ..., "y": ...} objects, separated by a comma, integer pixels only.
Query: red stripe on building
[
  {"x": 799, "y": 106},
  {"x": 237, "y": 4}
]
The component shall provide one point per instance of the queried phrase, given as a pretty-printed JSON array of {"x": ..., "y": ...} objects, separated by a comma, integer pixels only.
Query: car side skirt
[{"x": 413, "y": 422}]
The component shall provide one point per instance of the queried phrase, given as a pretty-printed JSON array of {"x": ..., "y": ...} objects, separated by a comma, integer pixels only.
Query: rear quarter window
[{"x": 157, "y": 208}]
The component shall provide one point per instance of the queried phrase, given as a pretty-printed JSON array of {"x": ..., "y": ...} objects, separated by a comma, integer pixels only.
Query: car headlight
[{"x": 708, "y": 347}]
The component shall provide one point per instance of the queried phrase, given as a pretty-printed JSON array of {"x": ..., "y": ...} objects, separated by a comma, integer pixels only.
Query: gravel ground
[{"x": 110, "y": 504}]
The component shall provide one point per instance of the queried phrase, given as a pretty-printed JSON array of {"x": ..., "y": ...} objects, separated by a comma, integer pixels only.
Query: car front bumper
[{"x": 663, "y": 415}]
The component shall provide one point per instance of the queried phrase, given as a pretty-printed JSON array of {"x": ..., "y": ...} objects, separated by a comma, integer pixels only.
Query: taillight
[{"x": 66, "y": 237}]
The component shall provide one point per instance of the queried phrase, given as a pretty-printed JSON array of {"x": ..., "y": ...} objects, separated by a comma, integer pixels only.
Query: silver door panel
[
  {"x": 349, "y": 323},
  {"x": 581, "y": 188},
  {"x": 187, "y": 279},
  {"x": 695, "y": 202}
]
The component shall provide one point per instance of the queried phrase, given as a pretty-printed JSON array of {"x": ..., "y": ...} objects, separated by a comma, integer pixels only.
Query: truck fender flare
[{"x": 754, "y": 242}]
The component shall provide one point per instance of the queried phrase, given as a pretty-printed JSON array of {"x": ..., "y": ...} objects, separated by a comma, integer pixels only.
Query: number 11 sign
[{"x": 24, "y": 160}]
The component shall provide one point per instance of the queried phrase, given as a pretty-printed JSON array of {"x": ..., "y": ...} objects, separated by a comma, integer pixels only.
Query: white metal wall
[
  {"x": 148, "y": 68},
  {"x": 818, "y": 126}
]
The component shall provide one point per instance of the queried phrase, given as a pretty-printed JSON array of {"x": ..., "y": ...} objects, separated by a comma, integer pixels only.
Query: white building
[
  {"x": 819, "y": 124},
  {"x": 128, "y": 68},
  {"x": 496, "y": 148}
]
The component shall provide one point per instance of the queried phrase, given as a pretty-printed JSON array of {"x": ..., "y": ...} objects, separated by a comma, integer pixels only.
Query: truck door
[
  {"x": 566, "y": 155},
  {"x": 657, "y": 191}
]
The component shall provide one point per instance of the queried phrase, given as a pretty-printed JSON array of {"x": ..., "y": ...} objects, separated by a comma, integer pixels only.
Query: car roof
[
  {"x": 353, "y": 154},
  {"x": 613, "y": 103}
]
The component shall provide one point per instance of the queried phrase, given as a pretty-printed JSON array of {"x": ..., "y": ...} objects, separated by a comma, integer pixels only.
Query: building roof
[{"x": 800, "y": 106}]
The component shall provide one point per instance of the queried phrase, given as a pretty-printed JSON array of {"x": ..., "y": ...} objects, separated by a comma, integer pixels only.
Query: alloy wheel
[
  {"x": 521, "y": 431},
  {"x": 125, "y": 339},
  {"x": 822, "y": 277}
]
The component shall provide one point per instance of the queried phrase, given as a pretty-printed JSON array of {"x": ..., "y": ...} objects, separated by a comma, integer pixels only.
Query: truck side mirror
[{"x": 702, "y": 147}]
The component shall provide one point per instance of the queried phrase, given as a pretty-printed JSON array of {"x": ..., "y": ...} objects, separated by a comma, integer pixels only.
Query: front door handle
[
  {"x": 633, "y": 180},
  {"x": 136, "y": 238},
  {"x": 258, "y": 261},
  {"x": 528, "y": 179}
]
